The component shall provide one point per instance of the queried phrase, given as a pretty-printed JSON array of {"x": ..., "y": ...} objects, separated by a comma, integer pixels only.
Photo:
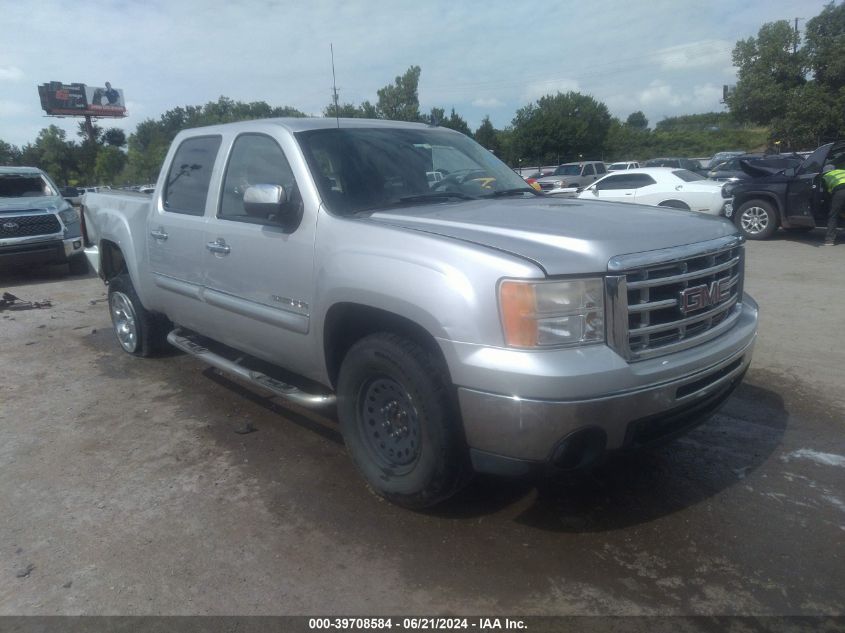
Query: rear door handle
[
  {"x": 219, "y": 246},
  {"x": 159, "y": 234}
]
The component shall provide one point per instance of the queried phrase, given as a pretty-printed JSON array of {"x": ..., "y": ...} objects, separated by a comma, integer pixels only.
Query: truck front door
[
  {"x": 176, "y": 230},
  {"x": 259, "y": 273}
]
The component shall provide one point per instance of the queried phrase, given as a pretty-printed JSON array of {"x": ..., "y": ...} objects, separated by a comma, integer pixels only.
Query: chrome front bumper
[{"x": 532, "y": 429}]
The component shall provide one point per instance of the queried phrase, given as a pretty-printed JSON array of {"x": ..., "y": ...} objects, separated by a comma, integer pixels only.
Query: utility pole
[
  {"x": 795, "y": 41},
  {"x": 334, "y": 89}
]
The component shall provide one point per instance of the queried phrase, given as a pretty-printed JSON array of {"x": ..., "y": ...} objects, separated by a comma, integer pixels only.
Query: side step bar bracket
[{"x": 182, "y": 342}]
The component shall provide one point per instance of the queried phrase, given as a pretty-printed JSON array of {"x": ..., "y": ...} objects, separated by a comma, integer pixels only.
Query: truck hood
[
  {"x": 562, "y": 236},
  {"x": 29, "y": 203}
]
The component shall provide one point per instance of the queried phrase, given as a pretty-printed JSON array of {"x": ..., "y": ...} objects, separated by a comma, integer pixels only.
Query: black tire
[
  {"x": 675, "y": 204},
  {"x": 400, "y": 423},
  {"x": 78, "y": 265},
  {"x": 139, "y": 332},
  {"x": 756, "y": 219}
]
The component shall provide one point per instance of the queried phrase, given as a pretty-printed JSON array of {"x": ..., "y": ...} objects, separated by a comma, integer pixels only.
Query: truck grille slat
[
  {"x": 28, "y": 225},
  {"x": 673, "y": 299}
]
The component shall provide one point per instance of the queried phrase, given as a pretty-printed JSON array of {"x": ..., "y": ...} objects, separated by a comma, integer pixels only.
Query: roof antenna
[{"x": 334, "y": 88}]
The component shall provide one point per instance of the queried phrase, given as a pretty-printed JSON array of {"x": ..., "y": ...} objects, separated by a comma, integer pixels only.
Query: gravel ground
[{"x": 125, "y": 488}]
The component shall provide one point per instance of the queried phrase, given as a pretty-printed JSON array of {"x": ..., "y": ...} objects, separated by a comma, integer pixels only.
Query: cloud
[
  {"x": 11, "y": 73},
  {"x": 491, "y": 102},
  {"x": 12, "y": 108},
  {"x": 660, "y": 93},
  {"x": 538, "y": 89},
  {"x": 702, "y": 54}
]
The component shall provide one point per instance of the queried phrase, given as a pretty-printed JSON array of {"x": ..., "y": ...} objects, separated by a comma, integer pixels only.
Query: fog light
[{"x": 77, "y": 244}]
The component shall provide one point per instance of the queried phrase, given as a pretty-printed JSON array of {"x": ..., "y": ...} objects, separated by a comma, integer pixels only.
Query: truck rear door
[
  {"x": 176, "y": 229},
  {"x": 259, "y": 273}
]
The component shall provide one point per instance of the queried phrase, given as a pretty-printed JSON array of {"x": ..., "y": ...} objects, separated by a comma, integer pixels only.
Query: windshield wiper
[
  {"x": 437, "y": 196},
  {"x": 512, "y": 192}
]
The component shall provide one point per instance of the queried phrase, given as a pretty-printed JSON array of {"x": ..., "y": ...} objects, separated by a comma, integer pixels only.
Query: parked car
[
  {"x": 578, "y": 174},
  {"x": 731, "y": 169},
  {"x": 720, "y": 157},
  {"x": 677, "y": 163},
  {"x": 37, "y": 225},
  {"x": 662, "y": 187},
  {"x": 467, "y": 324},
  {"x": 792, "y": 198},
  {"x": 72, "y": 195},
  {"x": 631, "y": 164}
]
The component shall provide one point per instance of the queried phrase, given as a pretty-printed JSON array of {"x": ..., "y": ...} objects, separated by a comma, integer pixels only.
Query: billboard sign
[{"x": 77, "y": 99}]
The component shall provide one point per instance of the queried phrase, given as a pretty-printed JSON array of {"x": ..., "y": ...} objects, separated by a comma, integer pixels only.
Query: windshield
[
  {"x": 24, "y": 186},
  {"x": 568, "y": 170},
  {"x": 364, "y": 169},
  {"x": 618, "y": 166},
  {"x": 687, "y": 175}
]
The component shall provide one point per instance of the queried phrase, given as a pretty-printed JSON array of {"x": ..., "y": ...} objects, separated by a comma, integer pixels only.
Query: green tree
[
  {"x": 637, "y": 120},
  {"x": 768, "y": 69},
  {"x": 825, "y": 46},
  {"x": 400, "y": 101},
  {"x": 9, "y": 154},
  {"x": 487, "y": 136},
  {"x": 54, "y": 153},
  {"x": 110, "y": 162},
  {"x": 454, "y": 121},
  {"x": 115, "y": 137},
  {"x": 561, "y": 127}
]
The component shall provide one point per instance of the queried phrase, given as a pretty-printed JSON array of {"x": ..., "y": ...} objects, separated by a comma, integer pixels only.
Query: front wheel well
[
  {"x": 738, "y": 201},
  {"x": 347, "y": 323}
]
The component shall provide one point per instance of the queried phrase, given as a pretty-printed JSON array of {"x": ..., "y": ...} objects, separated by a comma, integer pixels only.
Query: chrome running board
[{"x": 277, "y": 387}]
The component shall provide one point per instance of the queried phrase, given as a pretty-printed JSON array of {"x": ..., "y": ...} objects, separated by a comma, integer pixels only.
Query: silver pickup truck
[{"x": 460, "y": 324}]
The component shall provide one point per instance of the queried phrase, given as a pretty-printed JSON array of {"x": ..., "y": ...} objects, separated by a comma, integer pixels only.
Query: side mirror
[{"x": 272, "y": 203}]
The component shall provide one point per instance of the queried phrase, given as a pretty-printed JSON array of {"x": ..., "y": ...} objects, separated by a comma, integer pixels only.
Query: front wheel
[
  {"x": 399, "y": 421},
  {"x": 756, "y": 220}
]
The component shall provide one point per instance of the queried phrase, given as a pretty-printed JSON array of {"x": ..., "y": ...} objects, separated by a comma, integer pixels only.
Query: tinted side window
[
  {"x": 255, "y": 160},
  {"x": 626, "y": 181},
  {"x": 613, "y": 182},
  {"x": 600, "y": 168},
  {"x": 589, "y": 171},
  {"x": 186, "y": 188}
]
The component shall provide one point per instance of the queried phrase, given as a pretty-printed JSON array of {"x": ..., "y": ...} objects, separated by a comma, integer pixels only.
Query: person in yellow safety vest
[{"x": 833, "y": 179}]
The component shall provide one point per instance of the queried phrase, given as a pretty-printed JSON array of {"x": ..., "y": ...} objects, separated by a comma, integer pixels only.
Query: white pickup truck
[{"x": 461, "y": 323}]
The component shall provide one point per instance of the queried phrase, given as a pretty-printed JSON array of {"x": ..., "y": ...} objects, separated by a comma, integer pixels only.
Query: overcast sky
[{"x": 664, "y": 57}]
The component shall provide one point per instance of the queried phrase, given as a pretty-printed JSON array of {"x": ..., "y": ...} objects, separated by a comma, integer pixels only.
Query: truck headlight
[
  {"x": 552, "y": 313},
  {"x": 728, "y": 189},
  {"x": 69, "y": 215}
]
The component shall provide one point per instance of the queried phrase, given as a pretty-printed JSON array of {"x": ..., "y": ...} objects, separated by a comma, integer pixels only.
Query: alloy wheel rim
[
  {"x": 124, "y": 321},
  {"x": 754, "y": 220}
]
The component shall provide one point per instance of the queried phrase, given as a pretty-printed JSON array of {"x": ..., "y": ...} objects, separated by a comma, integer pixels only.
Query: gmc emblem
[{"x": 703, "y": 296}]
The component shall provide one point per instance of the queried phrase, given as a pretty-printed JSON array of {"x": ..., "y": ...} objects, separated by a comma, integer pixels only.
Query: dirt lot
[{"x": 125, "y": 488}]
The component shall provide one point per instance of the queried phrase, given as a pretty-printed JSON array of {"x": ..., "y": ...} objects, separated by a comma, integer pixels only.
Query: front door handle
[
  {"x": 219, "y": 246},
  {"x": 159, "y": 234}
]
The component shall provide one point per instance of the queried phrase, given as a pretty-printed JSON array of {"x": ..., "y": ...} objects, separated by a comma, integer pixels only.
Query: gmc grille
[
  {"x": 661, "y": 302},
  {"x": 28, "y": 225}
]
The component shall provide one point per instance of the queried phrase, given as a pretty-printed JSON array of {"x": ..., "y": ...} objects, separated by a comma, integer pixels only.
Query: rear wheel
[
  {"x": 139, "y": 331},
  {"x": 399, "y": 421},
  {"x": 756, "y": 219}
]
